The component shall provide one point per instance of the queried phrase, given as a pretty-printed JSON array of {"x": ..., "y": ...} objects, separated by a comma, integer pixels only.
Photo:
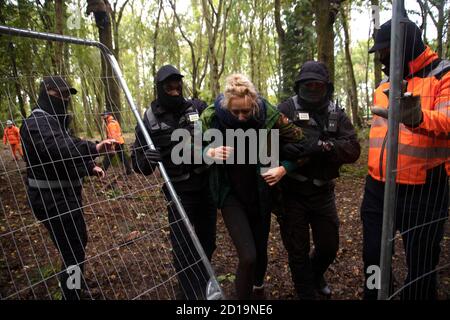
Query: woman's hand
[
  {"x": 272, "y": 176},
  {"x": 98, "y": 172},
  {"x": 220, "y": 153}
]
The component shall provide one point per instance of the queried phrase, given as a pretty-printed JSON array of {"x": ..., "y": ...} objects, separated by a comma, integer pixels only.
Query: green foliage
[
  {"x": 299, "y": 44},
  {"x": 229, "y": 277},
  {"x": 252, "y": 46}
]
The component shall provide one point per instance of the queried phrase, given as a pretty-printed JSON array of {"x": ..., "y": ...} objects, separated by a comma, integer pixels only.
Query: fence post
[{"x": 395, "y": 80}]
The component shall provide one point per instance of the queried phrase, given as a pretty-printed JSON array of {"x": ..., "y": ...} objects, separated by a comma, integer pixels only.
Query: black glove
[
  {"x": 410, "y": 108},
  {"x": 307, "y": 147},
  {"x": 152, "y": 156}
]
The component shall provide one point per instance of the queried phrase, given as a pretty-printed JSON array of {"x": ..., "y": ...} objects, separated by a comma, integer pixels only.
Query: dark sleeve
[
  {"x": 286, "y": 109},
  {"x": 51, "y": 140},
  {"x": 346, "y": 145},
  {"x": 88, "y": 163},
  {"x": 51, "y": 144},
  {"x": 140, "y": 163},
  {"x": 199, "y": 105},
  {"x": 289, "y": 132}
]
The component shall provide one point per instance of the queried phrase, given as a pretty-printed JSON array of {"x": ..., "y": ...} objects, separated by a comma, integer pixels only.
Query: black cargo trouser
[
  {"x": 120, "y": 152},
  {"x": 300, "y": 213},
  {"x": 420, "y": 215},
  {"x": 202, "y": 214},
  {"x": 60, "y": 210}
]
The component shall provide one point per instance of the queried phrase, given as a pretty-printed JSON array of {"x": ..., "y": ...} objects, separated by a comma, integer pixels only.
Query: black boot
[{"x": 322, "y": 286}]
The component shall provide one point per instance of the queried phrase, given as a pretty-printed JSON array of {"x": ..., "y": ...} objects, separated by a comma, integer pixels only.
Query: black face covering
[
  {"x": 168, "y": 102},
  {"x": 314, "y": 99},
  {"x": 413, "y": 47},
  {"x": 55, "y": 107}
]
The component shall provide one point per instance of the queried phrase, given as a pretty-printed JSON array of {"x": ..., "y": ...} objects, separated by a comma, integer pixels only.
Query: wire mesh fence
[
  {"x": 417, "y": 162},
  {"x": 123, "y": 218}
]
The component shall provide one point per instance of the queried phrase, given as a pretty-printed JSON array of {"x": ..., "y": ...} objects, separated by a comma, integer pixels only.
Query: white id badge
[
  {"x": 303, "y": 115},
  {"x": 193, "y": 117}
]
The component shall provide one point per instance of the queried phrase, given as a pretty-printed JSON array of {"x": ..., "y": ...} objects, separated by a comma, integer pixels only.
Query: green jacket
[{"x": 218, "y": 177}]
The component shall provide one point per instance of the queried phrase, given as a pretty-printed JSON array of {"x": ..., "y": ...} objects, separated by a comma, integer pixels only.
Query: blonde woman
[{"x": 240, "y": 190}]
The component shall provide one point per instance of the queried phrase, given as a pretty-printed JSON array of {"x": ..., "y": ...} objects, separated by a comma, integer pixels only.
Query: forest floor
[{"x": 129, "y": 252}]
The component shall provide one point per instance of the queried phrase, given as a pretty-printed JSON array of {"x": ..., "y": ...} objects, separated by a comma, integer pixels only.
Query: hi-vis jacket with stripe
[
  {"x": 11, "y": 135},
  {"x": 427, "y": 145},
  {"x": 113, "y": 130}
]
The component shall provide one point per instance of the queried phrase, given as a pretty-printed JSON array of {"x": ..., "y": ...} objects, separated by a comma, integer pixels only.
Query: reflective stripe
[
  {"x": 379, "y": 122},
  {"x": 183, "y": 177},
  {"x": 384, "y": 80},
  {"x": 376, "y": 142},
  {"x": 442, "y": 67},
  {"x": 423, "y": 153},
  {"x": 412, "y": 151},
  {"x": 442, "y": 105},
  {"x": 53, "y": 184}
]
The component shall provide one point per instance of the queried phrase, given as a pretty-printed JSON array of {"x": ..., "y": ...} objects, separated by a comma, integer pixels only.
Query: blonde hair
[{"x": 239, "y": 85}]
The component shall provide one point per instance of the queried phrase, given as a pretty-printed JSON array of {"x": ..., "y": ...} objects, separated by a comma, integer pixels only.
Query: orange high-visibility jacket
[
  {"x": 11, "y": 135},
  {"x": 426, "y": 146},
  {"x": 113, "y": 130}
]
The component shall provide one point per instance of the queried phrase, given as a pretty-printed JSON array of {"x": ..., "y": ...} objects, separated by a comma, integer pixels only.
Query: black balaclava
[
  {"x": 413, "y": 45},
  {"x": 54, "y": 106},
  {"x": 166, "y": 74},
  {"x": 314, "y": 100}
]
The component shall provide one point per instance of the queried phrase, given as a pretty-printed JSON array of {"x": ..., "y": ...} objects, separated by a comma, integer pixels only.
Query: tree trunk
[
  {"x": 116, "y": 16},
  {"x": 283, "y": 90},
  {"x": 448, "y": 35},
  {"x": 17, "y": 81},
  {"x": 353, "y": 93},
  {"x": 155, "y": 47},
  {"x": 376, "y": 61},
  {"x": 194, "y": 61},
  {"x": 59, "y": 29},
  {"x": 326, "y": 11},
  {"x": 213, "y": 24},
  {"x": 112, "y": 93},
  {"x": 440, "y": 26}
]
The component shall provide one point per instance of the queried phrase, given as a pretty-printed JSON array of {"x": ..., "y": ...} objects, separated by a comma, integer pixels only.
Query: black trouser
[
  {"x": 249, "y": 230},
  {"x": 318, "y": 211},
  {"x": 60, "y": 212},
  {"x": 120, "y": 151},
  {"x": 421, "y": 212},
  {"x": 202, "y": 214}
]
